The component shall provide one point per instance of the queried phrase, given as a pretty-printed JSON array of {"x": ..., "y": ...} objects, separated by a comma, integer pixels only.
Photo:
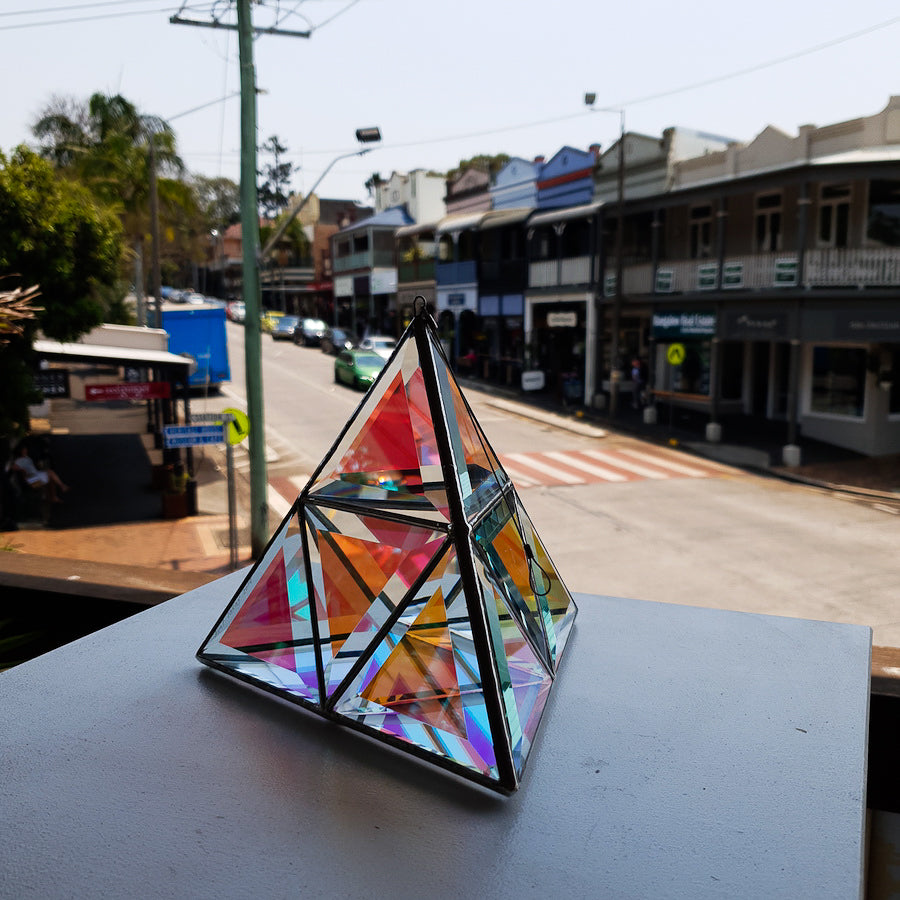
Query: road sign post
[{"x": 234, "y": 427}]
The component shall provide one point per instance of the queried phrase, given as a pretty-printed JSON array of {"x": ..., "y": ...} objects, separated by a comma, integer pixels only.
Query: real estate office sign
[{"x": 673, "y": 325}]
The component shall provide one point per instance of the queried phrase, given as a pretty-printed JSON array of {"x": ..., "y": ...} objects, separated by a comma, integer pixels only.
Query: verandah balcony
[{"x": 826, "y": 268}]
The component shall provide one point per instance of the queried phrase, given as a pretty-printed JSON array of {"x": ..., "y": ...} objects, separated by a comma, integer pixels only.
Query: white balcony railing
[
  {"x": 822, "y": 268},
  {"x": 549, "y": 273}
]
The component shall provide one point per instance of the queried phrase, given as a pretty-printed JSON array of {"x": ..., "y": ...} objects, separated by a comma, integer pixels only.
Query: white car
[
  {"x": 380, "y": 344},
  {"x": 195, "y": 298}
]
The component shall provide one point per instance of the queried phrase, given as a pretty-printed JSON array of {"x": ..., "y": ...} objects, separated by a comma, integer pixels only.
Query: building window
[
  {"x": 768, "y": 223},
  {"x": 701, "y": 232},
  {"x": 883, "y": 223},
  {"x": 834, "y": 215},
  {"x": 838, "y": 381}
]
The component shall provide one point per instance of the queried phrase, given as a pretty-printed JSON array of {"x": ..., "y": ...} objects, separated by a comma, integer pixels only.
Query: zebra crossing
[
  {"x": 615, "y": 465},
  {"x": 554, "y": 468}
]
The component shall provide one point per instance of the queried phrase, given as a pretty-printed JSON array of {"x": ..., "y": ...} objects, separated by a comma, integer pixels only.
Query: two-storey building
[{"x": 776, "y": 266}]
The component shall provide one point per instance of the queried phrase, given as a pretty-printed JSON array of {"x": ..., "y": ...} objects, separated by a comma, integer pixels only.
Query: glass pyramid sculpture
[{"x": 407, "y": 594}]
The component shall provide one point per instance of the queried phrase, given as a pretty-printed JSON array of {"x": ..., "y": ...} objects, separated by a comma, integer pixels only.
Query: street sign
[
  {"x": 238, "y": 428},
  {"x": 52, "y": 382},
  {"x": 237, "y": 425},
  {"x": 675, "y": 354},
  {"x": 175, "y": 436},
  {"x": 129, "y": 390}
]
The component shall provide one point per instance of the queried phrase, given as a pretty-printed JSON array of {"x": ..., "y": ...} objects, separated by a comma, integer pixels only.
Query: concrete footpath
[{"x": 113, "y": 515}]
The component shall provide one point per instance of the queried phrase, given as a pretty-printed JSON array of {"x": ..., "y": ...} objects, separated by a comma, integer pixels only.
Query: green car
[{"x": 358, "y": 368}]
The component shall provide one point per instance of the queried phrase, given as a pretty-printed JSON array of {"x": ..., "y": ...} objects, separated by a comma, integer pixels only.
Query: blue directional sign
[{"x": 175, "y": 436}]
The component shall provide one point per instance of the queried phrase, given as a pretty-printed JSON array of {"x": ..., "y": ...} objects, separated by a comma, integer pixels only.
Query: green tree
[
  {"x": 487, "y": 163},
  {"x": 105, "y": 144},
  {"x": 274, "y": 192},
  {"x": 55, "y": 234}
]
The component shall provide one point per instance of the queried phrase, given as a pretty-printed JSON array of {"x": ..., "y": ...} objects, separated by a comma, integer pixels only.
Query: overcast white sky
[{"x": 446, "y": 80}]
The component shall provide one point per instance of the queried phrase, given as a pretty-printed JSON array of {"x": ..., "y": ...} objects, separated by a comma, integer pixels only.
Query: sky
[{"x": 445, "y": 81}]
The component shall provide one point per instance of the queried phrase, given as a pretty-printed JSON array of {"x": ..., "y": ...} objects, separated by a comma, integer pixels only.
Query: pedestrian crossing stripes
[
  {"x": 557, "y": 467},
  {"x": 615, "y": 465}
]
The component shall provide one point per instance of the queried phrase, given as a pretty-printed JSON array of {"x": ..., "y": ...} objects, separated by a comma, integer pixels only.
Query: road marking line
[
  {"x": 531, "y": 463},
  {"x": 624, "y": 464},
  {"x": 520, "y": 479},
  {"x": 575, "y": 463},
  {"x": 277, "y": 503},
  {"x": 665, "y": 463}
]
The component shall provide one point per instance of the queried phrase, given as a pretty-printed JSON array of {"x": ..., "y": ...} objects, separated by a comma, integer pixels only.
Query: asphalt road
[{"x": 658, "y": 525}]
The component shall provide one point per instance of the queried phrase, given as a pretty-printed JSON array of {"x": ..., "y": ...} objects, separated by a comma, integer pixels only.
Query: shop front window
[{"x": 838, "y": 381}]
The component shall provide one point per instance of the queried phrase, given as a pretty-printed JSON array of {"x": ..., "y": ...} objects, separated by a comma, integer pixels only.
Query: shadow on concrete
[{"x": 110, "y": 480}]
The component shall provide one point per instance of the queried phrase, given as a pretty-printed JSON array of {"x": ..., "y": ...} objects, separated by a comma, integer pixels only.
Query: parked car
[
  {"x": 380, "y": 344},
  {"x": 310, "y": 332},
  {"x": 336, "y": 339},
  {"x": 236, "y": 311},
  {"x": 358, "y": 368},
  {"x": 194, "y": 297},
  {"x": 267, "y": 319},
  {"x": 285, "y": 327}
]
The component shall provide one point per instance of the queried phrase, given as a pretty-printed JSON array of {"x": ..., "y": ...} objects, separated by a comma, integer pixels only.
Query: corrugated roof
[{"x": 395, "y": 217}]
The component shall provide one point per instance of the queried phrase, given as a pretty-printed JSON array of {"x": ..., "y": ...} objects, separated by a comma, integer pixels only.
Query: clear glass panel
[{"x": 524, "y": 682}]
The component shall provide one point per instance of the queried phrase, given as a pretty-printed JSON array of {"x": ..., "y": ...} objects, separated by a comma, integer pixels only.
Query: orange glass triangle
[{"x": 418, "y": 679}]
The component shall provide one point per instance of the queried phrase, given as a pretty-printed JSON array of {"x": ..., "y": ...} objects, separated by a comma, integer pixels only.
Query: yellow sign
[
  {"x": 239, "y": 426},
  {"x": 675, "y": 354}
]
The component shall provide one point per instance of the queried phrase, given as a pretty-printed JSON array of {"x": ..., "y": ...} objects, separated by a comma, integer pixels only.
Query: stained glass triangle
[
  {"x": 364, "y": 568},
  {"x": 417, "y": 602},
  {"x": 388, "y": 454}
]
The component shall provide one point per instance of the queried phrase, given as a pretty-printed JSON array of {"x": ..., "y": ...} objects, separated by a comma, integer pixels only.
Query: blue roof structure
[{"x": 394, "y": 217}]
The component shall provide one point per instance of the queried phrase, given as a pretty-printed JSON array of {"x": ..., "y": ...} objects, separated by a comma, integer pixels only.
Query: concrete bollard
[
  {"x": 649, "y": 415},
  {"x": 713, "y": 432}
]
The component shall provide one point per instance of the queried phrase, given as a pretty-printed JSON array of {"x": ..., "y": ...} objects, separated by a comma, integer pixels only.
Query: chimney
[
  {"x": 539, "y": 159},
  {"x": 595, "y": 149}
]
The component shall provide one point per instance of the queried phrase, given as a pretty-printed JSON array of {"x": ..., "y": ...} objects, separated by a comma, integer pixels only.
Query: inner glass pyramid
[{"x": 407, "y": 594}]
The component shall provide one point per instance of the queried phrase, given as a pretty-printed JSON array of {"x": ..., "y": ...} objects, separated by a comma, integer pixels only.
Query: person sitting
[{"x": 40, "y": 479}]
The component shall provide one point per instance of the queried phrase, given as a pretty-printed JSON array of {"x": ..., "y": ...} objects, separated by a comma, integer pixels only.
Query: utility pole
[
  {"x": 156, "y": 284},
  {"x": 259, "y": 502}
]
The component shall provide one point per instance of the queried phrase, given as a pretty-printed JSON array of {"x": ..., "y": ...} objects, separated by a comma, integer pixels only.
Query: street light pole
[
  {"x": 615, "y": 374},
  {"x": 364, "y": 135}
]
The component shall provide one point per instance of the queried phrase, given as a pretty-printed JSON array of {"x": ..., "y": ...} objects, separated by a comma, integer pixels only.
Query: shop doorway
[{"x": 759, "y": 394}]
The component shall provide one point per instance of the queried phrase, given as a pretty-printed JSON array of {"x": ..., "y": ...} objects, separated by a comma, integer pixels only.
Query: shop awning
[
  {"x": 460, "y": 222},
  {"x": 499, "y": 217},
  {"x": 419, "y": 228},
  {"x": 125, "y": 356},
  {"x": 564, "y": 214}
]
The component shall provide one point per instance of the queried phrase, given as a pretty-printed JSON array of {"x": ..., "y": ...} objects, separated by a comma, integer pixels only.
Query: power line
[
  {"x": 50, "y": 9},
  {"x": 747, "y": 70},
  {"x": 120, "y": 15}
]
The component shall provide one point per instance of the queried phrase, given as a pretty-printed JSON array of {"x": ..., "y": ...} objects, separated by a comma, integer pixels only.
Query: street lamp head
[
  {"x": 368, "y": 135},
  {"x": 590, "y": 99}
]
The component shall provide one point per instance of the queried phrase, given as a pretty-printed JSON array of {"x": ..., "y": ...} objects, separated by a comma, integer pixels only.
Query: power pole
[
  {"x": 155, "y": 276},
  {"x": 259, "y": 502}
]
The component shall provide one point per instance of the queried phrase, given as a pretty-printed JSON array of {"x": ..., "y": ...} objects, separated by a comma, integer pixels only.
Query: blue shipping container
[{"x": 199, "y": 332}]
